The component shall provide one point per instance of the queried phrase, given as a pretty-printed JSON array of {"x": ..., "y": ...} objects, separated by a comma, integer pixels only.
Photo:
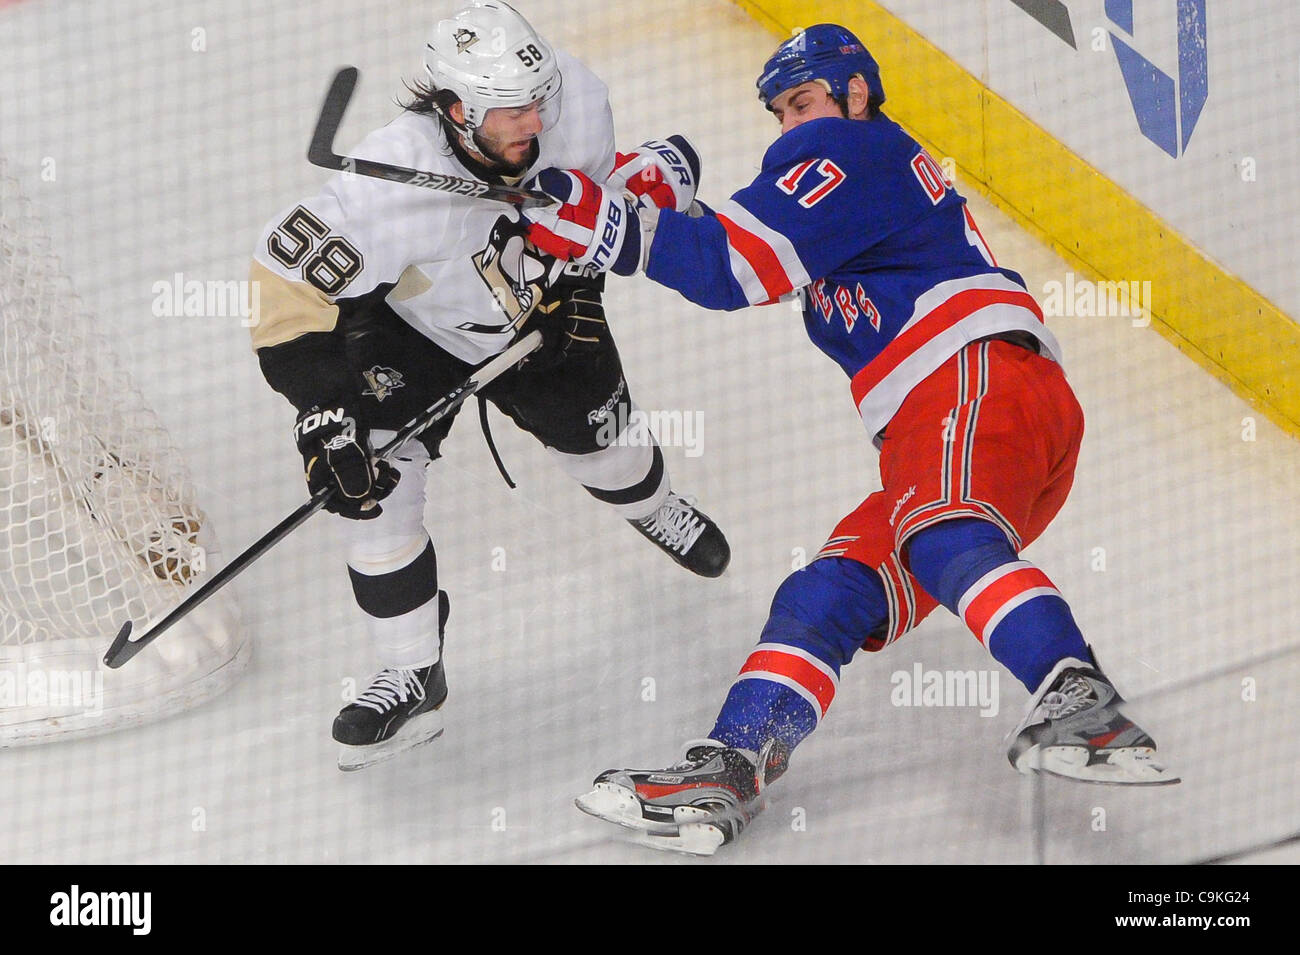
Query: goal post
[{"x": 98, "y": 519}]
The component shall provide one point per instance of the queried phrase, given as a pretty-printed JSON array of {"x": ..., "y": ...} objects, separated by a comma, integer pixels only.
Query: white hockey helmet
[{"x": 491, "y": 57}]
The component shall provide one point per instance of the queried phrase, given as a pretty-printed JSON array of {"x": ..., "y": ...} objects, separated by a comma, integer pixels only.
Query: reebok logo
[
  {"x": 898, "y": 505},
  {"x": 601, "y": 413}
]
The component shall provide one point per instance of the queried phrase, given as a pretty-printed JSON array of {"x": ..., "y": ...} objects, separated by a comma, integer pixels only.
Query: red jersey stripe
[
  {"x": 939, "y": 320},
  {"x": 991, "y": 599},
  {"x": 762, "y": 258},
  {"x": 801, "y": 671}
]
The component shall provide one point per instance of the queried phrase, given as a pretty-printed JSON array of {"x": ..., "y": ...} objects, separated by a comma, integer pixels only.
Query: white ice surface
[{"x": 591, "y": 650}]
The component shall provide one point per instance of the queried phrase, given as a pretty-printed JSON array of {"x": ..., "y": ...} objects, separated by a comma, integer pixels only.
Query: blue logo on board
[{"x": 1166, "y": 107}]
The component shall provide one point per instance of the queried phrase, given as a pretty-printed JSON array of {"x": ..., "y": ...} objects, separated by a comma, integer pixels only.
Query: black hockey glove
[
  {"x": 572, "y": 320},
  {"x": 337, "y": 454}
]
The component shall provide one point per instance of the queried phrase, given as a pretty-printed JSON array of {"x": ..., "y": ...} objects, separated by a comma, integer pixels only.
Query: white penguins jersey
[{"x": 459, "y": 270}]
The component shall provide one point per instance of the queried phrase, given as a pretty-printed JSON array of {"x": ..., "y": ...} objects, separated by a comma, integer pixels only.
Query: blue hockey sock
[
  {"x": 1010, "y": 605},
  {"x": 819, "y": 618}
]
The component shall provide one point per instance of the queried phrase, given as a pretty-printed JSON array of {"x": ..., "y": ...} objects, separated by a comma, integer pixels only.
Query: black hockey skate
[
  {"x": 698, "y": 804},
  {"x": 1074, "y": 729},
  {"x": 399, "y": 711},
  {"x": 687, "y": 535}
]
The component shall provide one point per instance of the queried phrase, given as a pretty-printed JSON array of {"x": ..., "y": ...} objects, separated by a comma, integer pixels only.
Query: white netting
[{"x": 98, "y": 522}]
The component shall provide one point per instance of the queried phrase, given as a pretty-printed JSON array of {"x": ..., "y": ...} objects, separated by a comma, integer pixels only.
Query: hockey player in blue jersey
[{"x": 959, "y": 384}]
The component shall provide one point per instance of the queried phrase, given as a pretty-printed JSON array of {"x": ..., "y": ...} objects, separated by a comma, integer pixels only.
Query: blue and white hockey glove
[
  {"x": 665, "y": 171},
  {"x": 588, "y": 224}
]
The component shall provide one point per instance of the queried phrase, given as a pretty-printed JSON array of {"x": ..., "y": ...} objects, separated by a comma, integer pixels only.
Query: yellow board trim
[{"x": 1209, "y": 314}]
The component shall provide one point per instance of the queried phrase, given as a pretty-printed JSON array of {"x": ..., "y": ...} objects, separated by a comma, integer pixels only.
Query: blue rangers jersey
[{"x": 894, "y": 274}]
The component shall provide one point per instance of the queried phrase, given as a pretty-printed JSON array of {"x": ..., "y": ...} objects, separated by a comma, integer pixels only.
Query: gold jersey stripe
[{"x": 288, "y": 309}]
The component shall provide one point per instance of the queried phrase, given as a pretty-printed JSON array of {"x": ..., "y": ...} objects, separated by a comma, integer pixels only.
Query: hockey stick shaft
[
  {"x": 123, "y": 648},
  {"x": 321, "y": 153}
]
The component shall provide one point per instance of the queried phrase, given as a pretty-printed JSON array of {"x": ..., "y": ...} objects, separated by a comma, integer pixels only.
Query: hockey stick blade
[
  {"x": 115, "y": 648},
  {"x": 123, "y": 648},
  {"x": 321, "y": 153}
]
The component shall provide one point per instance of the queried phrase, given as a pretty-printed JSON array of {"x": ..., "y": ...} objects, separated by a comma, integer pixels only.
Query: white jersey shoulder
[
  {"x": 584, "y": 136},
  {"x": 458, "y": 268}
]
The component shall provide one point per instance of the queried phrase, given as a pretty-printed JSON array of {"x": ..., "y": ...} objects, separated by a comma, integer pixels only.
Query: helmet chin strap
[
  {"x": 469, "y": 142},
  {"x": 464, "y": 131},
  {"x": 469, "y": 139}
]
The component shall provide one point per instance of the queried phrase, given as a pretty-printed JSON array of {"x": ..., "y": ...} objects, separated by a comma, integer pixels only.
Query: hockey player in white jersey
[{"x": 379, "y": 297}]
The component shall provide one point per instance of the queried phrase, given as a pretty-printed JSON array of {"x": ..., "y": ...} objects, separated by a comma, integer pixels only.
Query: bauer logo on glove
[
  {"x": 666, "y": 171},
  {"x": 588, "y": 224},
  {"x": 609, "y": 227}
]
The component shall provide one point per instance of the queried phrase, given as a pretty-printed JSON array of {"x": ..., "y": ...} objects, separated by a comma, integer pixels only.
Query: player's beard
[{"x": 499, "y": 162}]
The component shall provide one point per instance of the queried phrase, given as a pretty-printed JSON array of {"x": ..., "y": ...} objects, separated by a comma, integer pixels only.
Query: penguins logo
[
  {"x": 516, "y": 273},
  {"x": 464, "y": 39},
  {"x": 382, "y": 382}
]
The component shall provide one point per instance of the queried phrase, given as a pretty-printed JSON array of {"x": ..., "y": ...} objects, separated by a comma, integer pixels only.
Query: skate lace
[
  {"x": 675, "y": 523},
  {"x": 1074, "y": 695},
  {"x": 390, "y": 687},
  {"x": 704, "y": 750}
]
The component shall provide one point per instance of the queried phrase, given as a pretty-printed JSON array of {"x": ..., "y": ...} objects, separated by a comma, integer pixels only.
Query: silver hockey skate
[
  {"x": 696, "y": 805},
  {"x": 1075, "y": 729}
]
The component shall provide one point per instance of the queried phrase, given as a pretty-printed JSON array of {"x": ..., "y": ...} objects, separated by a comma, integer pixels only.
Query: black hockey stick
[
  {"x": 321, "y": 153},
  {"x": 123, "y": 648}
]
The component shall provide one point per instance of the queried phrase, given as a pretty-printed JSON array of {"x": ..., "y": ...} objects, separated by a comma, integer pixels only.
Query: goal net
[{"x": 98, "y": 520}]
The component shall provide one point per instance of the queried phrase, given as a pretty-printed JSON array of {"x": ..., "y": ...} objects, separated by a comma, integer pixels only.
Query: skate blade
[
  {"x": 1129, "y": 766},
  {"x": 424, "y": 728},
  {"x": 690, "y": 833},
  {"x": 620, "y": 805},
  {"x": 692, "y": 839}
]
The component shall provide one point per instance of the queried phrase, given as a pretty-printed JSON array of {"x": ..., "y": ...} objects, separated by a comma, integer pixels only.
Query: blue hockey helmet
[{"x": 823, "y": 52}]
